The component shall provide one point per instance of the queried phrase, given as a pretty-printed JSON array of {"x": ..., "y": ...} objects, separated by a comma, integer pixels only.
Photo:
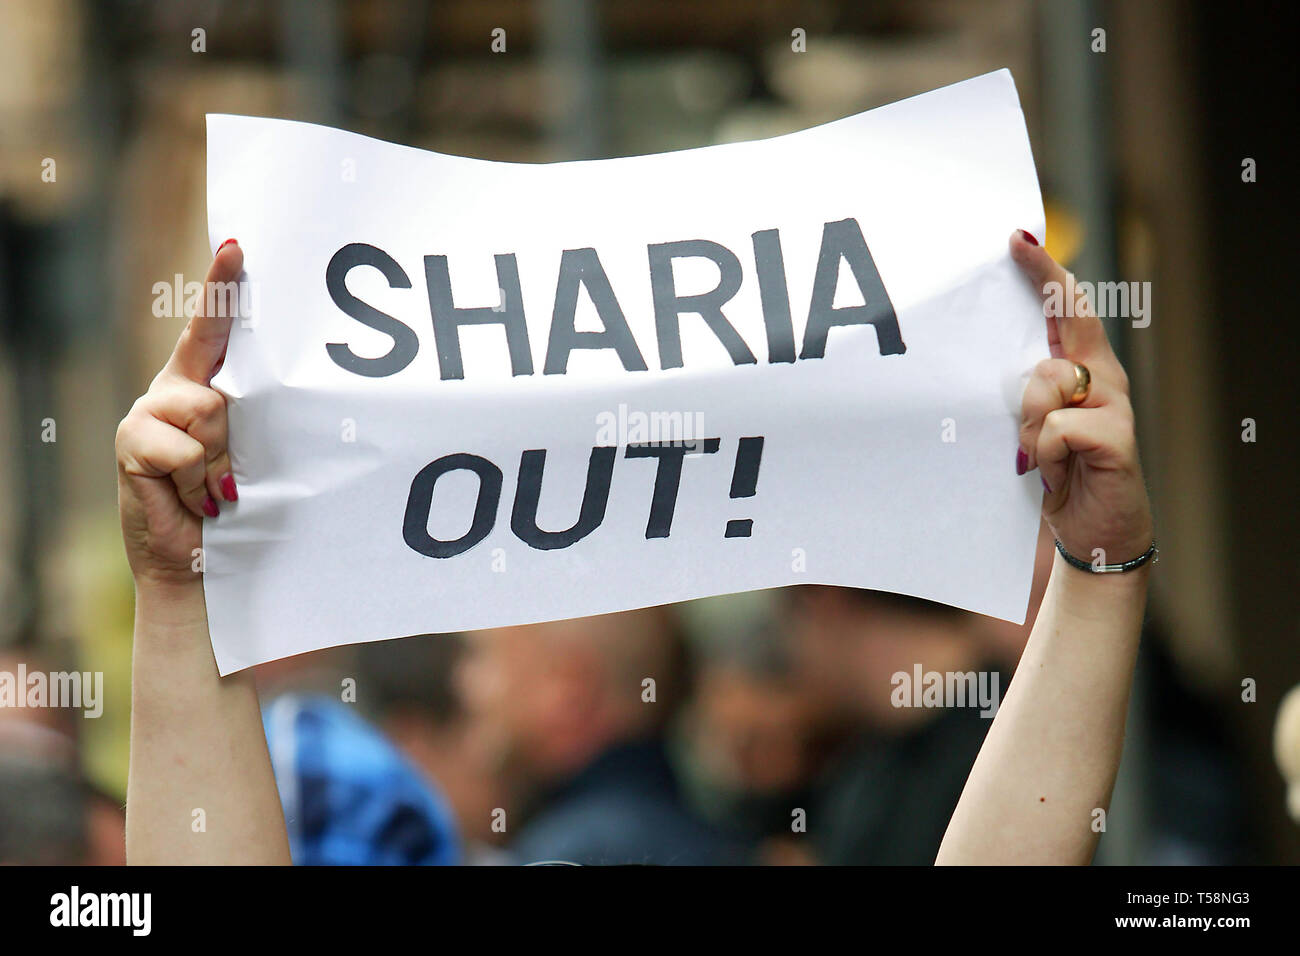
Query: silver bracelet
[{"x": 1151, "y": 553}]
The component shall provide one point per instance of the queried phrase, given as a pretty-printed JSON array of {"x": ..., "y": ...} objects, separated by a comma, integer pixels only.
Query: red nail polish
[
  {"x": 228, "y": 490},
  {"x": 236, "y": 242},
  {"x": 1046, "y": 486},
  {"x": 1022, "y": 461},
  {"x": 1029, "y": 237},
  {"x": 210, "y": 507}
]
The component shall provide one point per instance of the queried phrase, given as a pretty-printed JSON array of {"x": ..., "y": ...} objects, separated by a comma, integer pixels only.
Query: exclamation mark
[{"x": 744, "y": 482}]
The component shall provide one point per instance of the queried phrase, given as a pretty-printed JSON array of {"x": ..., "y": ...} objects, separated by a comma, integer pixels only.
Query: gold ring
[{"x": 1082, "y": 384}]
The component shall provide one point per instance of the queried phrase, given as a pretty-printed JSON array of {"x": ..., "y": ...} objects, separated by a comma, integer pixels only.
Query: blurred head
[
  {"x": 409, "y": 689},
  {"x": 752, "y": 730},
  {"x": 749, "y": 731},
  {"x": 548, "y": 698},
  {"x": 849, "y": 643}
]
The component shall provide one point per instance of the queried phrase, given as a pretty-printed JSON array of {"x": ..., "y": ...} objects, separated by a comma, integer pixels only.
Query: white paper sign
[{"x": 472, "y": 394}]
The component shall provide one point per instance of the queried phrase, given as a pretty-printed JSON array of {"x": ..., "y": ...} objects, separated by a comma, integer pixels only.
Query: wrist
[
  {"x": 1097, "y": 596},
  {"x": 169, "y": 604},
  {"x": 167, "y": 581},
  {"x": 1124, "y": 538}
]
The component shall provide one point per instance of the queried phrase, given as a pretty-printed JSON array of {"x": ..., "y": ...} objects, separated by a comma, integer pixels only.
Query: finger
[
  {"x": 203, "y": 343},
  {"x": 1101, "y": 437},
  {"x": 149, "y": 447},
  {"x": 1069, "y": 314},
  {"x": 199, "y": 411},
  {"x": 1051, "y": 387}
]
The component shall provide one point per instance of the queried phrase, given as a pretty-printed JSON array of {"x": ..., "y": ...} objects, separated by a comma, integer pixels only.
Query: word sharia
[{"x": 841, "y": 242}]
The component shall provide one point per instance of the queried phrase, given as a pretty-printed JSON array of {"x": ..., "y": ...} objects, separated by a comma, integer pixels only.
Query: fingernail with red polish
[
  {"x": 1022, "y": 461},
  {"x": 1046, "y": 486},
  {"x": 210, "y": 507},
  {"x": 236, "y": 242},
  {"x": 1028, "y": 236},
  {"x": 228, "y": 490}
]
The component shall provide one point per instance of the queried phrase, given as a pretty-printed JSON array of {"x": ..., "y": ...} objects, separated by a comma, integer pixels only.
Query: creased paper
[{"x": 469, "y": 394}]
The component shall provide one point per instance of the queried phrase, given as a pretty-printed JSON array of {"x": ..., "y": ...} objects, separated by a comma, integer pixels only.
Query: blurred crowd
[{"x": 764, "y": 728}]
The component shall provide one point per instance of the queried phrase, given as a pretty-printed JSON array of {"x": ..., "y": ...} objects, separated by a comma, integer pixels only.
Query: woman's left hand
[{"x": 1086, "y": 452}]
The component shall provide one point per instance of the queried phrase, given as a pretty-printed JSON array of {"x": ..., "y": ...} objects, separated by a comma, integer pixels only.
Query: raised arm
[
  {"x": 1049, "y": 761},
  {"x": 198, "y": 752}
]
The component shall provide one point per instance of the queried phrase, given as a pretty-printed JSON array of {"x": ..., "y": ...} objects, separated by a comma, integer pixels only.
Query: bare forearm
[
  {"x": 1049, "y": 760},
  {"x": 200, "y": 788}
]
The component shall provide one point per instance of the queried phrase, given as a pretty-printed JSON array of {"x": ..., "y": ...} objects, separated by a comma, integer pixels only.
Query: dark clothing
[
  {"x": 623, "y": 808},
  {"x": 887, "y": 800}
]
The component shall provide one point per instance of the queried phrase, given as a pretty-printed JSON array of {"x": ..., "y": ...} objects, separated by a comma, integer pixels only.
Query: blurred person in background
[
  {"x": 50, "y": 813},
  {"x": 574, "y": 713},
  {"x": 750, "y": 733},
  {"x": 42, "y": 801},
  {"x": 350, "y": 793},
  {"x": 349, "y": 797},
  {"x": 408, "y": 687},
  {"x": 886, "y": 796},
  {"x": 1187, "y": 785}
]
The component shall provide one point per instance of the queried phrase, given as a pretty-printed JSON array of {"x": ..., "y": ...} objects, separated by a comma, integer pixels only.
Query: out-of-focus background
[{"x": 1161, "y": 134}]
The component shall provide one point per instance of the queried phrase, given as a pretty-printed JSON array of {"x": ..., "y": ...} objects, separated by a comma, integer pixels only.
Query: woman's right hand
[
  {"x": 196, "y": 738},
  {"x": 172, "y": 464}
]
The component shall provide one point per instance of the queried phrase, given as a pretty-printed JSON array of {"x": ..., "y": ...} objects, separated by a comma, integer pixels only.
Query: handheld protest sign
[{"x": 469, "y": 394}]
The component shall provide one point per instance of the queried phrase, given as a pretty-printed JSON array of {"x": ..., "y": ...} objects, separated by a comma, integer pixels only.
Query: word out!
[
  {"x": 841, "y": 241},
  {"x": 595, "y": 495}
]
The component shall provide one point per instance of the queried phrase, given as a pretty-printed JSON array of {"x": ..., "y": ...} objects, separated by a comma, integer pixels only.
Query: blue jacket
[{"x": 349, "y": 797}]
